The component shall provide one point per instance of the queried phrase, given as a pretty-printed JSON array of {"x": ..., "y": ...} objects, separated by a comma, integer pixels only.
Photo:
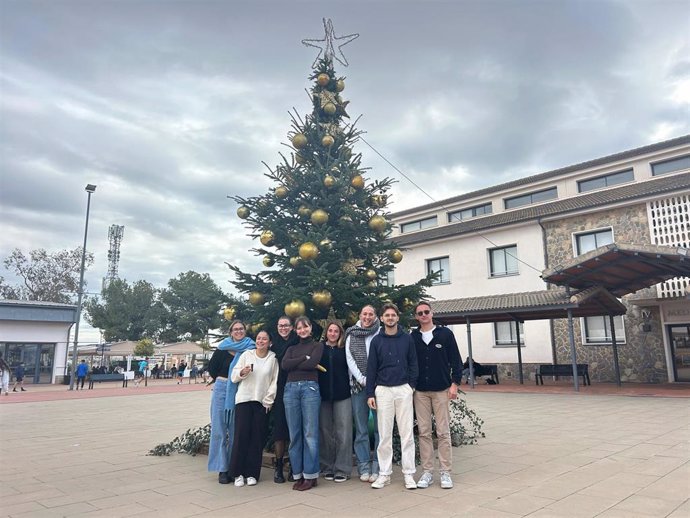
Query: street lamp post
[{"x": 90, "y": 189}]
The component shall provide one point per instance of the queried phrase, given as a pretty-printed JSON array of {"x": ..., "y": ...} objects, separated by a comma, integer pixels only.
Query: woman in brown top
[{"x": 302, "y": 401}]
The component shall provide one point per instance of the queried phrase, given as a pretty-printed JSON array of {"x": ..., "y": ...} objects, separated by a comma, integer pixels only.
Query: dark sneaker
[
  {"x": 339, "y": 478},
  {"x": 328, "y": 476},
  {"x": 223, "y": 477}
]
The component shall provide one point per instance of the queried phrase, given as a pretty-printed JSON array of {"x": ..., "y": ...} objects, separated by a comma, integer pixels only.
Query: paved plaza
[{"x": 545, "y": 455}]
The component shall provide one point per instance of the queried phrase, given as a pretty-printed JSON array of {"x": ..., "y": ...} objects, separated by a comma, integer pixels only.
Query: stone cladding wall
[{"x": 642, "y": 356}]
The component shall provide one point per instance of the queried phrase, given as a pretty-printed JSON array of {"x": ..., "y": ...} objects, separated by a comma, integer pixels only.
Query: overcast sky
[{"x": 170, "y": 106}]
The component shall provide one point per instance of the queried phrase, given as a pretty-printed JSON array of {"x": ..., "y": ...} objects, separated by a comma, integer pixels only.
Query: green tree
[
  {"x": 145, "y": 348},
  {"x": 192, "y": 303},
  {"x": 126, "y": 312},
  {"x": 49, "y": 277},
  {"x": 324, "y": 227}
]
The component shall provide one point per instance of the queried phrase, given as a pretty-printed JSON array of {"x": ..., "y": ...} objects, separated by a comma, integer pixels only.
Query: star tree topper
[{"x": 326, "y": 44}]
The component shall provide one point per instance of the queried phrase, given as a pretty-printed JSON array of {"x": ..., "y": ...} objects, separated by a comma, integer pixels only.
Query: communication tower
[{"x": 115, "y": 233}]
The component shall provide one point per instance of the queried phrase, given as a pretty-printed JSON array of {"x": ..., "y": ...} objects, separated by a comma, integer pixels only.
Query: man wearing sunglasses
[{"x": 440, "y": 375}]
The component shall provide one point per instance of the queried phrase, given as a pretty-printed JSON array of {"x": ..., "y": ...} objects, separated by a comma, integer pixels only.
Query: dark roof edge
[{"x": 658, "y": 146}]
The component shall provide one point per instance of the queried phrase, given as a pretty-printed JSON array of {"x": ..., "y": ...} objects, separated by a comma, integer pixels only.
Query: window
[
  {"x": 670, "y": 166},
  {"x": 528, "y": 199},
  {"x": 388, "y": 279},
  {"x": 592, "y": 240},
  {"x": 597, "y": 330},
  {"x": 420, "y": 224},
  {"x": 504, "y": 333},
  {"x": 605, "y": 181},
  {"x": 441, "y": 264},
  {"x": 472, "y": 212},
  {"x": 503, "y": 261}
]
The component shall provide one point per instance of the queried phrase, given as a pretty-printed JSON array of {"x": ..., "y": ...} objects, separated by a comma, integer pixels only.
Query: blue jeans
[
  {"x": 220, "y": 444},
  {"x": 366, "y": 463},
  {"x": 302, "y": 402}
]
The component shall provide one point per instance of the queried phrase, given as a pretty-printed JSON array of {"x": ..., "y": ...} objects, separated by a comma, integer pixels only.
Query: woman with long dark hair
[
  {"x": 256, "y": 374},
  {"x": 223, "y": 398},
  {"x": 302, "y": 403}
]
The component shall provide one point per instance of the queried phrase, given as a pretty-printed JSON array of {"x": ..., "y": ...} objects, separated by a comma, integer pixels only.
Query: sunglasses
[{"x": 423, "y": 312}]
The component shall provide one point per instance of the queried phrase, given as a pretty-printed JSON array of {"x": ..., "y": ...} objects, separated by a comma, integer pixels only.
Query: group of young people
[{"x": 317, "y": 392}]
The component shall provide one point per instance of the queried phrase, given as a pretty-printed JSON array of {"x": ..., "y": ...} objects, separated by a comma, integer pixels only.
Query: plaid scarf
[{"x": 358, "y": 349}]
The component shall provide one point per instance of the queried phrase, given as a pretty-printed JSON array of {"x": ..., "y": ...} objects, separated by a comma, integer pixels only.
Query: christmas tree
[{"x": 324, "y": 227}]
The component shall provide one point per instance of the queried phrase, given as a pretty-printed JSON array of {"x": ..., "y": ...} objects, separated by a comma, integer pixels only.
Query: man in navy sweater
[
  {"x": 440, "y": 374},
  {"x": 391, "y": 378}
]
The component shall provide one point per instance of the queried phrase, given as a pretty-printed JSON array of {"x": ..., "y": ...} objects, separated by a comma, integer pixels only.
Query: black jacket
[
  {"x": 334, "y": 384},
  {"x": 439, "y": 362}
]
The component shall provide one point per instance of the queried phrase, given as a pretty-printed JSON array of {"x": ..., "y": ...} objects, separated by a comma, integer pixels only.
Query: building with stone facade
[{"x": 498, "y": 240}]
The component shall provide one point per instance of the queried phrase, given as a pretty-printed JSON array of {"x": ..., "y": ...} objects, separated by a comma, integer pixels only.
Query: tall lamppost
[{"x": 90, "y": 189}]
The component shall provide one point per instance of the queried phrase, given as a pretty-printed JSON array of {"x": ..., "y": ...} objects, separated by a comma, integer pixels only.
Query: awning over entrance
[
  {"x": 622, "y": 269},
  {"x": 531, "y": 305}
]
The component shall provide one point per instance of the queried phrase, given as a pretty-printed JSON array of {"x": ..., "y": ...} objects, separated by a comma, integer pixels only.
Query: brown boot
[
  {"x": 308, "y": 484},
  {"x": 297, "y": 484}
]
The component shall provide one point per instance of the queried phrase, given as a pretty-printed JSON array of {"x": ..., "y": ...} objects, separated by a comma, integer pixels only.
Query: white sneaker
[
  {"x": 239, "y": 481},
  {"x": 409, "y": 482},
  {"x": 425, "y": 480},
  {"x": 364, "y": 477},
  {"x": 381, "y": 481},
  {"x": 446, "y": 481},
  {"x": 373, "y": 477},
  {"x": 251, "y": 481}
]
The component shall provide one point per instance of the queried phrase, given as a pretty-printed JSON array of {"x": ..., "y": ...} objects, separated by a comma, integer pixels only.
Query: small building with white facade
[{"x": 36, "y": 333}]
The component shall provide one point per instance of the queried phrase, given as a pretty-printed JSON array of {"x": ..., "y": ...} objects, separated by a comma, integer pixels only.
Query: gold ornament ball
[
  {"x": 329, "y": 181},
  {"x": 319, "y": 217},
  {"x": 340, "y": 85},
  {"x": 299, "y": 140},
  {"x": 377, "y": 224},
  {"x": 326, "y": 244},
  {"x": 327, "y": 141},
  {"x": 300, "y": 159},
  {"x": 351, "y": 318},
  {"x": 407, "y": 304},
  {"x": 308, "y": 251},
  {"x": 322, "y": 298},
  {"x": 357, "y": 182},
  {"x": 229, "y": 313},
  {"x": 267, "y": 238},
  {"x": 347, "y": 153},
  {"x": 304, "y": 211},
  {"x": 370, "y": 274},
  {"x": 323, "y": 79},
  {"x": 294, "y": 308},
  {"x": 281, "y": 192},
  {"x": 294, "y": 261},
  {"x": 371, "y": 284},
  {"x": 395, "y": 256},
  {"x": 268, "y": 261},
  {"x": 345, "y": 219},
  {"x": 256, "y": 298},
  {"x": 243, "y": 212},
  {"x": 329, "y": 108}
]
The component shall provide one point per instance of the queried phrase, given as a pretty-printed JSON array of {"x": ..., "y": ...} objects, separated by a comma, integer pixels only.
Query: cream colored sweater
[{"x": 259, "y": 384}]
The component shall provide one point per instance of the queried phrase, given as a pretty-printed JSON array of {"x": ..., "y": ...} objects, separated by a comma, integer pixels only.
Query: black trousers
[{"x": 251, "y": 427}]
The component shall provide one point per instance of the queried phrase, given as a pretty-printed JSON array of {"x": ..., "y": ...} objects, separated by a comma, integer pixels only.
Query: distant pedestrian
[
  {"x": 4, "y": 376},
  {"x": 193, "y": 373},
  {"x": 19, "y": 377},
  {"x": 180, "y": 372},
  {"x": 82, "y": 370}
]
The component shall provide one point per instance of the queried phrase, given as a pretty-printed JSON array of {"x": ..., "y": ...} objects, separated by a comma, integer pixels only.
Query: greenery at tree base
[
  {"x": 324, "y": 228},
  {"x": 48, "y": 277},
  {"x": 193, "y": 441}
]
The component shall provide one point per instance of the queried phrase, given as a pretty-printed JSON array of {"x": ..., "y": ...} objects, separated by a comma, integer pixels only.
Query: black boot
[{"x": 278, "y": 477}]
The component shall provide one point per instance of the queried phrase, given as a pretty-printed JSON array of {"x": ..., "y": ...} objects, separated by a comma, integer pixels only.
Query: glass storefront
[
  {"x": 38, "y": 360},
  {"x": 679, "y": 335}
]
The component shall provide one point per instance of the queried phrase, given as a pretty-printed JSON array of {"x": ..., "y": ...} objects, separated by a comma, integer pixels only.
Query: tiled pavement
[{"x": 546, "y": 454}]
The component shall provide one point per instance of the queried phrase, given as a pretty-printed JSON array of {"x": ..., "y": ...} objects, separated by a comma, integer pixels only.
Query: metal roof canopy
[
  {"x": 622, "y": 269},
  {"x": 534, "y": 305}
]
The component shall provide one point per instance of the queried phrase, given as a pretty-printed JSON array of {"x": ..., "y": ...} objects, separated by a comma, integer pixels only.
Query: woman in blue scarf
[{"x": 223, "y": 399}]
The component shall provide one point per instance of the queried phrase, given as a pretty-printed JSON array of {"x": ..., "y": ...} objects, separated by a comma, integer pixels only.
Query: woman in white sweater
[{"x": 256, "y": 373}]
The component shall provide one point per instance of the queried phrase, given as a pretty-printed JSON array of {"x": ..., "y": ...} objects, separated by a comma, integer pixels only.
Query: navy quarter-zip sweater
[
  {"x": 439, "y": 361},
  {"x": 392, "y": 361}
]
